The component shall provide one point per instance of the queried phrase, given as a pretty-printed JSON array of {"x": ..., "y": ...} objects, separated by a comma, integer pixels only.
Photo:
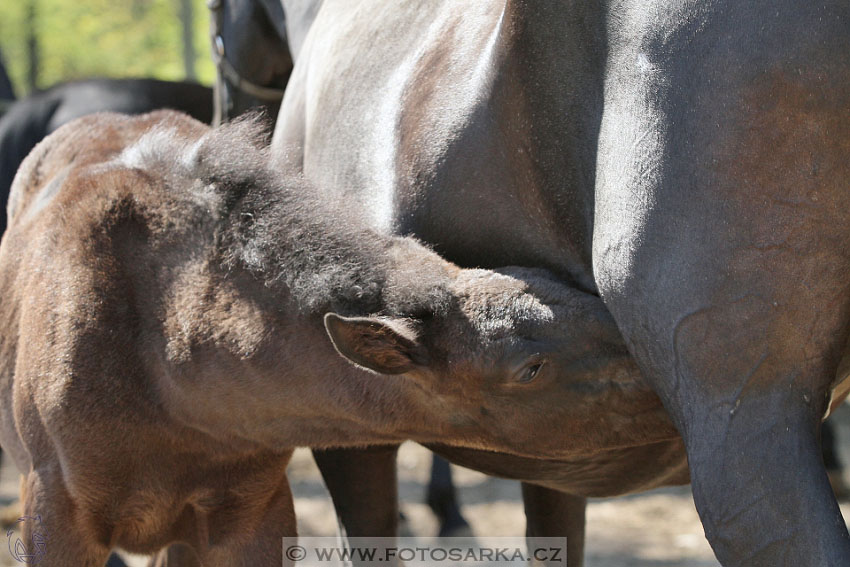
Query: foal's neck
[{"x": 323, "y": 257}]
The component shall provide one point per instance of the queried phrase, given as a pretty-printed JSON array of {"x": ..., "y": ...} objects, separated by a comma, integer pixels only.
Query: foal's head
[{"x": 519, "y": 362}]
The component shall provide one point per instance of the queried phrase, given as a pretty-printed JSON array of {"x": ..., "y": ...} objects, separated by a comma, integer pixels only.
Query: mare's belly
[{"x": 607, "y": 473}]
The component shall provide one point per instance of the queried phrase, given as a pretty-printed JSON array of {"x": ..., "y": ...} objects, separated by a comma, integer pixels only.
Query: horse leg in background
[
  {"x": 550, "y": 513},
  {"x": 177, "y": 555},
  {"x": 833, "y": 465},
  {"x": 363, "y": 485},
  {"x": 441, "y": 497},
  {"x": 115, "y": 561}
]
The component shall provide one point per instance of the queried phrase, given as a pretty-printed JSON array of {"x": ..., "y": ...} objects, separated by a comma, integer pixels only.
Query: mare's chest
[{"x": 434, "y": 125}]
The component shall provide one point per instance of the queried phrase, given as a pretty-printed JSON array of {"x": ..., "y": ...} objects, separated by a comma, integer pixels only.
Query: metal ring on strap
[{"x": 226, "y": 69}]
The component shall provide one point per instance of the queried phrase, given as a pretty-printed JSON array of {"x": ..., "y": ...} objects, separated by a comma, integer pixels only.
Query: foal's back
[
  {"x": 103, "y": 221},
  {"x": 79, "y": 209},
  {"x": 87, "y": 145}
]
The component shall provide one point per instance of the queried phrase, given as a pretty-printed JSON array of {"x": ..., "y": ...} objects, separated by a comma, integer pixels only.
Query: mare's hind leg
[
  {"x": 555, "y": 514},
  {"x": 362, "y": 484},
  {"x": 51, "y": 529}
]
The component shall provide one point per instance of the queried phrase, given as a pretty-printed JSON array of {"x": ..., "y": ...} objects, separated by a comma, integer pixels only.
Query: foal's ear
[{"x": 384, "y": 346}]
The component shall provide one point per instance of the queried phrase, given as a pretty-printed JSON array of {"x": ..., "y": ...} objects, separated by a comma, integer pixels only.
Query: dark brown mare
[
  {"x": 477, "y": 250},
  {"x": 688, "y": 162},
  {"x": 173, "y": 318}
]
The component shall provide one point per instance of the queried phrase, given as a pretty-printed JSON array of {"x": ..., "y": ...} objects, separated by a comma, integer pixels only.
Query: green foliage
[{"x": 104, "y": 38}]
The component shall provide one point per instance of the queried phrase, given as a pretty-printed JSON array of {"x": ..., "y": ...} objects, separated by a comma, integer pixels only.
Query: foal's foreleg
[
  {"x": 262, "y": 544},
  {"x": 52, "y": 532}
]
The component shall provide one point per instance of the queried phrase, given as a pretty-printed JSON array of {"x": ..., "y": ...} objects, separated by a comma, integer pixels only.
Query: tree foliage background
[{"x": 102, "y": 38}]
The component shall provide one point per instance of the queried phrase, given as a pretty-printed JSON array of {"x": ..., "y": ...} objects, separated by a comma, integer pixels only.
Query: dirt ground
[{"x": 654, "y": 529}]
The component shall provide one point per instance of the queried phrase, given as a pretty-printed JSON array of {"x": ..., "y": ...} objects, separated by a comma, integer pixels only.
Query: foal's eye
[{"x": 530, "y": 373}]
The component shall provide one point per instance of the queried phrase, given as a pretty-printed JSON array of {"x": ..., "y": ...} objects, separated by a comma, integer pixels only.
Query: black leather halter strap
[{"x": 225, "y": 68}]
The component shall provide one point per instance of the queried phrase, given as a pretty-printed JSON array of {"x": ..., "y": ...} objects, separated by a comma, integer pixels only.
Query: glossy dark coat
[{"x": 686, "y": 161}]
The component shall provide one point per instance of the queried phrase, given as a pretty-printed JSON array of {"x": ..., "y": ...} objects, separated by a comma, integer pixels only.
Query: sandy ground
[{"x": 654, "y": 529}]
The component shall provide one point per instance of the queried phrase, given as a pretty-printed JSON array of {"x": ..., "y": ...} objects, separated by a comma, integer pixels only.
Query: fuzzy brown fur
[{"x": 163, "y": 346}]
